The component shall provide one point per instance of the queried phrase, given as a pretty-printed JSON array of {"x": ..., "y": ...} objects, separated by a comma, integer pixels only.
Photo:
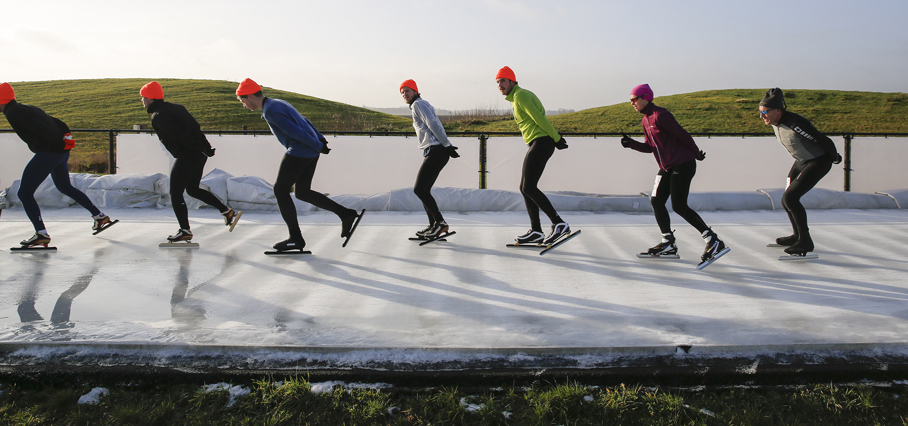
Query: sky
[{"x": 572, "y": 54}]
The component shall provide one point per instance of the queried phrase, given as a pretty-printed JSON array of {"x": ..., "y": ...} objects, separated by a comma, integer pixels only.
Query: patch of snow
[
  {"x": 235, "y": 392},
  {"x": 94, "y": 396}
]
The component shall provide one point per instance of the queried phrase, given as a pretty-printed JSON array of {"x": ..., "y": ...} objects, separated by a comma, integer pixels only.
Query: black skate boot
[
  {"x": 559, "y": 230},
  {"x": 531, "y": 237},
  {"x": 437, "y": 230},
  {"x": 422, "y": 234},
  {"x": 292, "y": 243},
  {"x": 39, "y": 239},
  {"x": 666, "y": 248},
  {"x": 715, "y": 248},
  {"x": 181, "y": 235},
  {"x": 231, "y": 217},
  {"x": 102, "y": 222},
  {"x": 787, "y": 241},
  {"x": 802, "y": 247}
]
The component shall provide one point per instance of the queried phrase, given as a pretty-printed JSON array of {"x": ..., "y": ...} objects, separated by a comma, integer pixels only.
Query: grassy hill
[
  {"x": 735, "y": 111},
  {"x": 115, "y": 104}
]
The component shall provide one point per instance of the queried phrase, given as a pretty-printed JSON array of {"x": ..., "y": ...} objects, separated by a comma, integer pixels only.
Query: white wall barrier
[{"x": 382, "y": 168}]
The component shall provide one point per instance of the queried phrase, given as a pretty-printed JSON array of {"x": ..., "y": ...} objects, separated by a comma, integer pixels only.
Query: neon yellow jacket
[{"x": 530, "y": 115}]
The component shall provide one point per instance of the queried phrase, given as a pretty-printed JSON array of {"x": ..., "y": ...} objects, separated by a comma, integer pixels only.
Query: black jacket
[
  {"x": 39, "y": 130},
  {"x": 180, "y": 133}
]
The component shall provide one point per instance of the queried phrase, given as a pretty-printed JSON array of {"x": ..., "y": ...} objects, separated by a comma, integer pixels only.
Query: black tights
[
  {"x": 186, "y": 175},
  {"x": 538, "y": 154},
  {"x": 432, "y": 163},
  {"x": 675, "y": 182},
  {"x": 802, "y": 178},
  {"x": 299, "y": 171}
]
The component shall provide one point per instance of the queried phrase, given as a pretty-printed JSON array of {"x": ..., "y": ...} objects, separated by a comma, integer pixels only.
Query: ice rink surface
[{"x": 471, "y": 293}]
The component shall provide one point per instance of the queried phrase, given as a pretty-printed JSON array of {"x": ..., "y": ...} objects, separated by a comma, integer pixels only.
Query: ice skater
[
  {"x": 814, "y": 155},
  {"x": 541, "y": 139},
  {"x": 677, "y": 155},
  {"x": 50, "y": 140},
  {"x": 437, "y": 149},
  {"x": 304, "y": 146},
  {"x": 181, "y": 134}
]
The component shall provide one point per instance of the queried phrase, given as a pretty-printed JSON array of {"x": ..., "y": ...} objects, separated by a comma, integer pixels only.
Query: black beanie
[{"x": 773, "y": 99}]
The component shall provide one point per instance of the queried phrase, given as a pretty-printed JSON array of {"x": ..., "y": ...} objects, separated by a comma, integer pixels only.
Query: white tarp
[{"x": 254, "y": 193}]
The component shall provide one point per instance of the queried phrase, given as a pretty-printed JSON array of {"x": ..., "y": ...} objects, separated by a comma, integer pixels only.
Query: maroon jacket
[{"x": 665, "y": 138}]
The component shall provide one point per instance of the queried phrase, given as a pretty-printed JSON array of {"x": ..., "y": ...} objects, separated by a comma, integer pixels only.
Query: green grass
[
  {"x": 734, "y": 111},
  {"x": 292, "y": 401},
  {"x": 115, "y": 104}
]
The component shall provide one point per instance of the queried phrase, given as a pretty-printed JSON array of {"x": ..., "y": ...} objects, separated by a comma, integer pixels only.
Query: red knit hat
[
  {"x": 409, "y": 83},
  {"x": 248, "y": 87},
  {"x": 152, "y": 90},
  {"x": 506, "y": 73},
  {"x": 6, "y": 93}
]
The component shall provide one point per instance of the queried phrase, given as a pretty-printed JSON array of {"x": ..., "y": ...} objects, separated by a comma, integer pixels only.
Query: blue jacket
[{"x": 294, "y": 131}]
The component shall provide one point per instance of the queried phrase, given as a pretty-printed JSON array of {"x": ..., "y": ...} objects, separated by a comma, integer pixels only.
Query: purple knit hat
[{"x": 643, "y": 91}]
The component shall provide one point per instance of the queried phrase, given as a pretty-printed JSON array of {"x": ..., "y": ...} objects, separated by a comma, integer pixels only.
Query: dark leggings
[
  {"x": 186, "y": 175},
  {"x": 299, "y": 171},
  {"x": 435, "y": 159},
  {"x": 675, "y": 182},
  {"x": 57, "y": 166},
  {"x": 802, "y": 178},
  {"x": 538, "y": 154}
]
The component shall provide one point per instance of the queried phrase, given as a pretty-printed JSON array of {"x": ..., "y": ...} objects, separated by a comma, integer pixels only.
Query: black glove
[
  {"x": 626, "y": 140},
  {"x": 325, "y": 148},
  {"x": 702, "y": 156},
  {"x": 209, "y": 152},
  {"x": 561, "y": 144},
  {"x": 452, "y": 151},
  {"x": 838, "y": 159}
]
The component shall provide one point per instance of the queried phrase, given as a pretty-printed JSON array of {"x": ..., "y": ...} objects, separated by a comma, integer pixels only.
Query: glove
[
  {"x": 209, "y": 152},
  {"x": 325, "y": 148},
  {"x": 626, "y": 140},
  {"x": 838, "y": 159},
  {"x": 452, "y": 151},
  {"x": 561, "y": 144},
  {"x": 701, "y": 156}
]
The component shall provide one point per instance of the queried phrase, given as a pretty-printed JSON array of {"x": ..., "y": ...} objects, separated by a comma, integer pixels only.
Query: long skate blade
[
  {"x": 808, "y": 256},
  {"x": 715, "y": 258},
  {"x": 528, "y": 245},
  {"x": 560, "y": 242},
  {"x": 423, "y": 239},
  {"x": 359, "y": 218},
  {"x": 775, "y": 245},
  {"x": 235, "y": 220},
  {"x": 32, "y": 249},
  {"x": 658, "y": 256},
  {"x": 104, "y": 228},
  {"x": 287, "y": 252},
  {"x": 440, "y": 238},
  {"x": 178, "y": 245}
]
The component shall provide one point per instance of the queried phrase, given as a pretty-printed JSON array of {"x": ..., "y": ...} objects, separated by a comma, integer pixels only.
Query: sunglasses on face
[
  {"x": 634, "y": 99},
  {"x": 765, "y": 112}
]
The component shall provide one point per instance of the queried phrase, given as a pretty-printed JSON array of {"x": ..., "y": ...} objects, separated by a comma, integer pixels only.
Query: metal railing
[{"x": 484, "y": 139}]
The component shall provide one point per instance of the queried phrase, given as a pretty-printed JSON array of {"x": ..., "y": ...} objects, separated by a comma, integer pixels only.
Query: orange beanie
[
  {"x": 152, "y": 90},
  {"x": 6, "y": 93},
  {"x": 409, "y": 83},
  {"x": 248, "y": 87},
  {"x": 506, "y": 73}
]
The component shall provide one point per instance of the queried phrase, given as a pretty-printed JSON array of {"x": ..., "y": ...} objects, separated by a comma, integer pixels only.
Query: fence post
[
  {"x": 112, "y": 162},
  {"x": 483, "y": 149},
  {"x": 847, "y": 161}
]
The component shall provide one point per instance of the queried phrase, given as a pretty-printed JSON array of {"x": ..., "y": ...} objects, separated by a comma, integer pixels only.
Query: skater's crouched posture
[
  {"x": 304, "y": 146},
  {"x": 181, "y": 134},
  {"x": 814, "y": 155},
  {"x": 677, "y": 155},
  {"x": 51, "y": 141},
  {"x": 437, "y": 150}
]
